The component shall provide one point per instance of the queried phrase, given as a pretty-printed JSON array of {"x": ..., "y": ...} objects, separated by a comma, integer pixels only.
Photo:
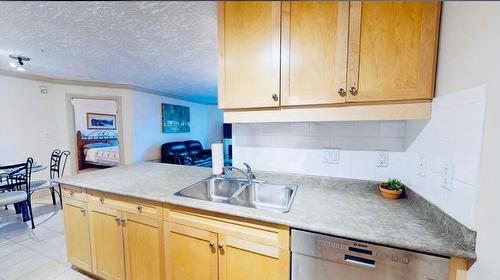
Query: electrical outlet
[
  {"x": 446, "y": 175},
  {"x": 421, "y": 166},
  {"x": 331, "y": 155},
  {"x": 43, "y": 90},
  {"x": 382, "y": 159}
]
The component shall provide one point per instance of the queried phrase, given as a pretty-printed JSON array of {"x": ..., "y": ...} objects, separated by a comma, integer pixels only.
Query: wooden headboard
[{"x": 94, "y": 137}]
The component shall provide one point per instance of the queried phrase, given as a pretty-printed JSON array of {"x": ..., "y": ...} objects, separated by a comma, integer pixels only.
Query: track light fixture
[{"x": 20, "y": 59}]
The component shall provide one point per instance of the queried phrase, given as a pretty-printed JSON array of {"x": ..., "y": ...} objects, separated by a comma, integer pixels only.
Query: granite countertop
[{"x": 341, "y": 207}]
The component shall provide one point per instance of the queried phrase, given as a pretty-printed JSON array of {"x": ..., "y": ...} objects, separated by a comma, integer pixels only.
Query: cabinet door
[
  {"x": 76, "y": 226},
  {"x": 392, "y": 50},
  {"x": 249, "y": 54},
  {"x": 190, "y": 253},
  {"x": 107, "y": 243},
  {"x": 314, "y": 52},
  {"x": 247, "y": 260},
  {"x": 143, "y": 247}
]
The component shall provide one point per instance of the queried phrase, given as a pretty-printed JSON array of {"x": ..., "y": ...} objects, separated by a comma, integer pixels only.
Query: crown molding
[{"x": 46, "y": 79}]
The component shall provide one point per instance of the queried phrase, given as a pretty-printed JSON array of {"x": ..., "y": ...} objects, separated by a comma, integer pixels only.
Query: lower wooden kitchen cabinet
[
  {"x": 190, "y": 253},
  {"x": 201, "y": 246},
  {"x": 126, "y": 238},
  {"x": 106, "y": 240},
  {"x": 143, "y": 247},
  {"x": 242, "y": 259},
  {"x": 76, "y": 226},
  {"x": 123, "y": 238}
]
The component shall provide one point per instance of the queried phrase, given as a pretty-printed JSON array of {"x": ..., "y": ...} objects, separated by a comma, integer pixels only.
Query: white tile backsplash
[
  {"x": 392, "y": 129},
  {"x": 453, "y": 135}
]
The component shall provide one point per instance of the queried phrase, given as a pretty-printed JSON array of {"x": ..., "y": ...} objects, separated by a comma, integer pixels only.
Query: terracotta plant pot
[{"x": 390, "y": 194}]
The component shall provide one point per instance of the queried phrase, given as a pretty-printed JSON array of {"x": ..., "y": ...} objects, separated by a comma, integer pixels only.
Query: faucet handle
[{"x": 249, "y": 169}]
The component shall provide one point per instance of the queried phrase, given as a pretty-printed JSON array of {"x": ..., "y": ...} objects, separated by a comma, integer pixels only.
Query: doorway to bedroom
[{"x": 96, "y": 133}]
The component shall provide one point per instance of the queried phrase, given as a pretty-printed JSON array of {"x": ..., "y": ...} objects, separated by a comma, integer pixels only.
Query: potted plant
[{"x": 391, "y": 189}]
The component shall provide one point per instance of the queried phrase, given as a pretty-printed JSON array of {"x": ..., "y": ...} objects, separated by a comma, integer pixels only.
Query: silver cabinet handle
[
  {"x": 101, "y": 199},
  {"x": 83, "y": 211},
  {"x": 211, "y": 244},
  {"x": 341, "y": 92},
  {"x": 139, "y": 208},
  {"x": 275, "y": 97},
  {"x": 123, "y": 220},
  {"x": 117, "y": 219},
  {"x": 220, "y": 246},
  {"x": 353, "y": 91}
]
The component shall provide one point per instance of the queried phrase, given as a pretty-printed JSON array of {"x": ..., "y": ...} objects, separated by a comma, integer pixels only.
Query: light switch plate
[
  {"x": 331, "y": 155},
  {"x": 382, "y": 159},
  {"x": 446, "y": 175},
  {"x": 421, "y": 166}
]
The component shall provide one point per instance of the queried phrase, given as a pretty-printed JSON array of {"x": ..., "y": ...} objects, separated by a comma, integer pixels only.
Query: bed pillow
[{"x": 96, "y": 145}]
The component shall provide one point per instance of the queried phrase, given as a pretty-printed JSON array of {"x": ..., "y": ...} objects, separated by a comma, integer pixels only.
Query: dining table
[{"x": 6, "y": 173}]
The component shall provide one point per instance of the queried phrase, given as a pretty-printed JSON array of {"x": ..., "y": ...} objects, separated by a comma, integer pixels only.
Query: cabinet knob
[
  {"x": 83, "y": 211},
  {"x": 341, "y": 92},
  {"x": 101, "y": 199},
  {"x": 71, "y": 193},
  {"x": 211, "y": 244},
  {"x": 353, "y": 91},
  {"x": 118, "y": 219},
  {"x": 220, "y": 246},
  {"x": 139, "y": 208},
  {"x": 123, "y": 221},
  {"x": 275, "y": 97}
]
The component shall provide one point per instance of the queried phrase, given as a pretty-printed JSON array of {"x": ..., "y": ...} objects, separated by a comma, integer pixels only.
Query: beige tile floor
[{"x": 39, "y": 253}]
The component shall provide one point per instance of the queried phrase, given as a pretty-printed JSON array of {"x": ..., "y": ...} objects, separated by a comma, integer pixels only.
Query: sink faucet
[
  {"x": 249, "y": 170},
  {"x": 248, "y": 173}
]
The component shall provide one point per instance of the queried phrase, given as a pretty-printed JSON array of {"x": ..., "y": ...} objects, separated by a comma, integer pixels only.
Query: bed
[{"x": 97, "y": 149}]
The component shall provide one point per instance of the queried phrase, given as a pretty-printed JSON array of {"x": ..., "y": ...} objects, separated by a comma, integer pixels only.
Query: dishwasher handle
[{"x": 359, "y": 261}]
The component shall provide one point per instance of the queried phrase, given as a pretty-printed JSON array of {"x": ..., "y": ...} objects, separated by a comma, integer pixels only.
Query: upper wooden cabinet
[
  {"x": 330, "y": 53},
  {"x": 249, "y": 54},
  {"x": 392, "y": 50},
  {"x": 314, "y": 52}
]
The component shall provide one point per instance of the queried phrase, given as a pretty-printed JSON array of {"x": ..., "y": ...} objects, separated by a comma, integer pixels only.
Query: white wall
[
  {"x": 33, "y": 124},
  {"x": 84, "y": 106},
  {"x": 470, "y": 57},
  {"x": 205, "y": 120}
]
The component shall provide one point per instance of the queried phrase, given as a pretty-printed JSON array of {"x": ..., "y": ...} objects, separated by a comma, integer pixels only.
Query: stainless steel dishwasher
[{"x": 322, "y": 257}]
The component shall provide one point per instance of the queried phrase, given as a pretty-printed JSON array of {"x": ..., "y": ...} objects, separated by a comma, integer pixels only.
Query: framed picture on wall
[
  {"x": 175, "y": 118},
  {"x": 101, "y": 121}
]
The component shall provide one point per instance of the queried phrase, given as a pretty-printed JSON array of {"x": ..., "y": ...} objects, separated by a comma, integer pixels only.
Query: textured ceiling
[{"x": 165, "y": 46}]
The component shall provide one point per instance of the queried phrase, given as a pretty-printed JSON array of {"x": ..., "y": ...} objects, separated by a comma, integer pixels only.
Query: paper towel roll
[{"x": 217, "y": 158}]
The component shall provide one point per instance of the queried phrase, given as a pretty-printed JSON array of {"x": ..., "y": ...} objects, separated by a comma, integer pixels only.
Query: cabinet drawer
[
  {"x": 74, "y": 193},
  {"x": 275, "y": 236},
  {"x": 127, "y": 204}
]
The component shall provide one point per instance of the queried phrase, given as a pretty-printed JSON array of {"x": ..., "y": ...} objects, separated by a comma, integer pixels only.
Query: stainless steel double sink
[{"x": 256, "y": 194}]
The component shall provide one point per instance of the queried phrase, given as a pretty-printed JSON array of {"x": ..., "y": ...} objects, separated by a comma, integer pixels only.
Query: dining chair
[
  {"x": 16, "y": 187},
  {"x": 57, "y": 165}
]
